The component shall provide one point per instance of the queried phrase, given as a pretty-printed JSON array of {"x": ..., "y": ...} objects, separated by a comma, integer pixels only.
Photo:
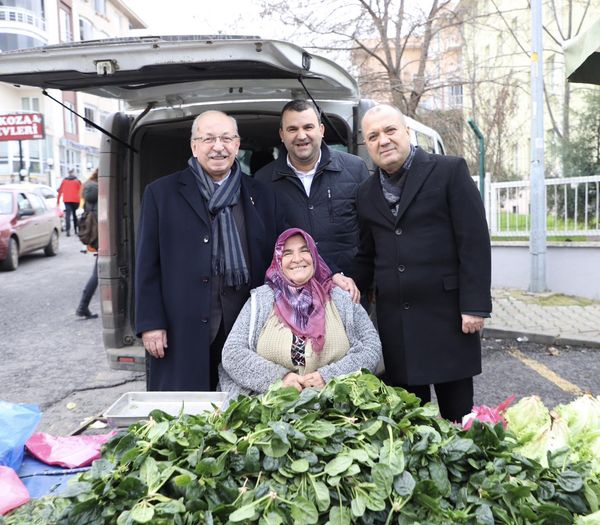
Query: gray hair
[{"x": 214, "y": 112}]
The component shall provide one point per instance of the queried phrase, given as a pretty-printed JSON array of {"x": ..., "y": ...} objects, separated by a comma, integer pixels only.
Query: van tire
[
  {"x": 12, "y": 256},
  {"x": 51, "y": 248}
]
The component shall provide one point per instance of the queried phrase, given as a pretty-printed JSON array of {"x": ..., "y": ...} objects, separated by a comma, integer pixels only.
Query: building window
[
  {"x": 70, "y": 122},
  {"x": 456, "y": 96},
  {"x": 100, "y": 6},
  {"x": 65, "y": 24},
  {"x": 86, "y": 29},
  {"x": 90, "y": 114},
  {"x": 30, "y": 103}
]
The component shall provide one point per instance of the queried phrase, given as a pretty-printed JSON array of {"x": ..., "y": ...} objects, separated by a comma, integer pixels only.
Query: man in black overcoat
[
  {"x": 205, "y": 238},
  {"x": 424, "y": 243}
]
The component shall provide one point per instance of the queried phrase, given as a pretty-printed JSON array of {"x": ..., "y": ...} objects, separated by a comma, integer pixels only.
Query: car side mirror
[{"x": 26, "y": 212}]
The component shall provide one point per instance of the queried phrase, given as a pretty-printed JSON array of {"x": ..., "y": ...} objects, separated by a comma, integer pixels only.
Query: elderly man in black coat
[
  {"x": 424, "y": 240},
  {"x": 206, "y": 237}
]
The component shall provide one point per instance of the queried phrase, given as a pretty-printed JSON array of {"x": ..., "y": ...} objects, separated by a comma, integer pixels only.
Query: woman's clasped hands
[{"x": 314, "y": 380}]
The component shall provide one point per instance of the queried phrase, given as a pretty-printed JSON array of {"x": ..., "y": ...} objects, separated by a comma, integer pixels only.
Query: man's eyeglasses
[{"x": 212, "y": 139}]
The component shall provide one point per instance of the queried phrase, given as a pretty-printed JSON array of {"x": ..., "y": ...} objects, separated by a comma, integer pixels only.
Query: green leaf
[
  {"x": 321, "y": 495},
  {"x": 392, "y": 455},
  {"x": 338, "y": 465},
  {"x": 252, "y": 459},
  {"x": 321, "y": 429},
  {"x": 247, "y": 512},
  {"x": 182, "y": 480},
  {"x": 404, "y": 484},
  {"x": 570, "y": 481},
  {"x": 142, "y": 512},
  {"x": 271, "y": 518},
  {"x": 276, "y": 448},
  {"x": 300, "y": 465},
  {"x": 304, "y": 511},
  {"x": 171, "y": 507},
  {"x": 383, "y": 478},
  {"x": 339, "y": 516},
  {"x": 372, "y": 427},
  {"x": 149, "y": 472},
  {"x": 228, "y": 436},
  {"x": 358, "y": 506},
  {"x": 439, "y": 475},
  {"x": 359, "y": 455},
  {"x": 157, "y": 431},
  {"x": 484, "y": 516}
]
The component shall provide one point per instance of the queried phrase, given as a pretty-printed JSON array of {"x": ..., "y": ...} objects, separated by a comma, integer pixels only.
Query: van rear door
[{"x": 167, "y": 71}]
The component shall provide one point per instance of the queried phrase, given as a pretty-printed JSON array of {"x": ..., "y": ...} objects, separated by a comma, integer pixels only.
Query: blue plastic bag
[{"x": 17, "y": 422}]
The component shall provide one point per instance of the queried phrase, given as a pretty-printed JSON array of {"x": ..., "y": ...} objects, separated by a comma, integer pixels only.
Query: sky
[{"x": 204, "y": 17}]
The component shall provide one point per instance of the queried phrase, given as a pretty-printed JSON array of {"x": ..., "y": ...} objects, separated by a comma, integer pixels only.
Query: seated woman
[{"x": 297, "y": 327}]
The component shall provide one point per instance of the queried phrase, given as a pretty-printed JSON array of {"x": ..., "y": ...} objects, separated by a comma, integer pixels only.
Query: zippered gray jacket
[{"x": 243, "y": 371}]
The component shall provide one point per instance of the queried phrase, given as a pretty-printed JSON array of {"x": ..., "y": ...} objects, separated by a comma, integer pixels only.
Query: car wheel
[
  {"x": 12, "y": 256},
  {"x": 52, "y": 247}
]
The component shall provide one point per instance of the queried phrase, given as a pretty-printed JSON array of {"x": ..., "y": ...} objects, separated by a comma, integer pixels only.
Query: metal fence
[{"x": 572, "y": 207}]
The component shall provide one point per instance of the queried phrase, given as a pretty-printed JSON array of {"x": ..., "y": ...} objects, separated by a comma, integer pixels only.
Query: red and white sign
[{"x": 22, "y": 126}]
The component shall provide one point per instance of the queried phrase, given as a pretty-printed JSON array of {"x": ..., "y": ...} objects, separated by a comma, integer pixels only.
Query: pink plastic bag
[
  {"x": 67, "y": 451},
  {"x": 487, "y": 414},
  {"x": 13, "y": 493}
]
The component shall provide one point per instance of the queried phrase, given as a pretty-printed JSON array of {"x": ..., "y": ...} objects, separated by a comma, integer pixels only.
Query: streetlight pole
[{"x": 537, "y": 238}]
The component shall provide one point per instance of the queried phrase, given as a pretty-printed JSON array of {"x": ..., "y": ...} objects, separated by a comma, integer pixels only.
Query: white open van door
[{"x": 178, "y": 70}]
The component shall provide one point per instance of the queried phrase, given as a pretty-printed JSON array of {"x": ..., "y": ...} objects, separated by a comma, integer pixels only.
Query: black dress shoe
[{"x": 85, "y": 313}]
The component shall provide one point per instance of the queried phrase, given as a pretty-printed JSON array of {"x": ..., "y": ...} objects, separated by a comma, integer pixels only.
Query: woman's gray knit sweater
[{"x": 243, "y": 371}]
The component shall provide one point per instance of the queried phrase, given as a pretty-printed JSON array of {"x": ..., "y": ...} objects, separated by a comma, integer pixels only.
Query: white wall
[{"x": 571, "y": 268}]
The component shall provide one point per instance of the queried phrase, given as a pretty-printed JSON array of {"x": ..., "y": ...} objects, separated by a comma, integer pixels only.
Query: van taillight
[{"x": 106, "y": 298}]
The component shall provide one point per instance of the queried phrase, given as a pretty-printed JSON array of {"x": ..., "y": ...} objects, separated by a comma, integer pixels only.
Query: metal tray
[{"x": 135, "y": 406}]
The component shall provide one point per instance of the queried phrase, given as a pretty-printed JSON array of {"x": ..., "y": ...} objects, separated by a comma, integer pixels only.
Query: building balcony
[{"x": 23, "y": 22}]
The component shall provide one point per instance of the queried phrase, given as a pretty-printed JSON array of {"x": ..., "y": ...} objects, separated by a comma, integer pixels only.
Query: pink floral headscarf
[{"x": 301, "y": 307}]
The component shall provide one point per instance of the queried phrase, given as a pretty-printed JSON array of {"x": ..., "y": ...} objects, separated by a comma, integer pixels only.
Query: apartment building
[
  {"x": 69, "y": 142},
  {"x": 481, "y": 68}
]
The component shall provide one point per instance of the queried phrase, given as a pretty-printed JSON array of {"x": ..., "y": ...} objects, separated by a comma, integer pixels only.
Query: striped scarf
[{"x": 227, "y": 255}]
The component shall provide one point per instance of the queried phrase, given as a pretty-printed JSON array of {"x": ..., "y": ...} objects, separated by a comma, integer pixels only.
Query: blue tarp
[{"x": 44, "y": 480}]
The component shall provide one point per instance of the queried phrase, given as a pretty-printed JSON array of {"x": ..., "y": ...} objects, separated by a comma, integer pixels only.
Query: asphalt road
[{"x": 51, "y": 358}]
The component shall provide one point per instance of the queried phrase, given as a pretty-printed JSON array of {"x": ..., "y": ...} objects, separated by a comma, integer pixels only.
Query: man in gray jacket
[{"x": 317, "y": 187}]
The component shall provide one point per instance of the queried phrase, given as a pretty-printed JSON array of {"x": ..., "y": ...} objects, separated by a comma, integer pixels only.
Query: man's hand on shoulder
[
  {"x": 155, "y": 342},
  {"x": 347, "y": 284}
]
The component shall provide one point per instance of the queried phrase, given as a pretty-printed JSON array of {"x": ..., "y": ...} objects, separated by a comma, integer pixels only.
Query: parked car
[
  {"x": 26, "y": 225},
  {"x": 49, "y": 194}
]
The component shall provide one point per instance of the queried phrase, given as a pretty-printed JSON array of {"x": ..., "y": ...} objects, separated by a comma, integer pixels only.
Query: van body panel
[{"x": 169, "y": 71}]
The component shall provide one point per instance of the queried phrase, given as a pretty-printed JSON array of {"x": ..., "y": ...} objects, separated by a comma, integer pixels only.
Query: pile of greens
[{"x": 357, "y": 451}]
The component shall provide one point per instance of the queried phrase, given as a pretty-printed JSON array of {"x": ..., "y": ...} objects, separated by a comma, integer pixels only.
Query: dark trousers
[
  {"x": 90, "y": 287},
  {"x": 70, "y": 210},
  {"x": 216, "y": 347},
  {"x": 455, "y": 398}
]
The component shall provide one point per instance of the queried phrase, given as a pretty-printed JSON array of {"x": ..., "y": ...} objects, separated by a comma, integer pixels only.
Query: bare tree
[{"x": 392, "y": 44}]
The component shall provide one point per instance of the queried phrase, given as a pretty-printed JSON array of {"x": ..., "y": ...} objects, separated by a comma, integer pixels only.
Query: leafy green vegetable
[{"x": 358, "y": 451}]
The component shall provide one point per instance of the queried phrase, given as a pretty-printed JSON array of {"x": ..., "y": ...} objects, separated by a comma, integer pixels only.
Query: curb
[{"x": 545, "y": 339}]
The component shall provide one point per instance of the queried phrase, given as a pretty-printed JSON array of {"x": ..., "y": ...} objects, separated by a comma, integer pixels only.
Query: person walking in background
[
  {"x": 90, "y": 197},
  {"x": 70, "y": 191},
  {"x": 317, "y": 188},
  {"x": 205, "y": 238},
  {"x": 424, "y": 238}
]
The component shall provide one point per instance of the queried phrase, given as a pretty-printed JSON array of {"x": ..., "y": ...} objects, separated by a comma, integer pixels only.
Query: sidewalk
[{"x": 544, "y": 318}]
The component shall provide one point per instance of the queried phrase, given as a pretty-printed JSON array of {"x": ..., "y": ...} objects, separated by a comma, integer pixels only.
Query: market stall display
[{"x": 356, "y": 451}]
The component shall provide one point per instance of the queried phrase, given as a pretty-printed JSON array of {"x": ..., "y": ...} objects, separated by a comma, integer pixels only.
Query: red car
[{"x": 26, "y": 225}]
